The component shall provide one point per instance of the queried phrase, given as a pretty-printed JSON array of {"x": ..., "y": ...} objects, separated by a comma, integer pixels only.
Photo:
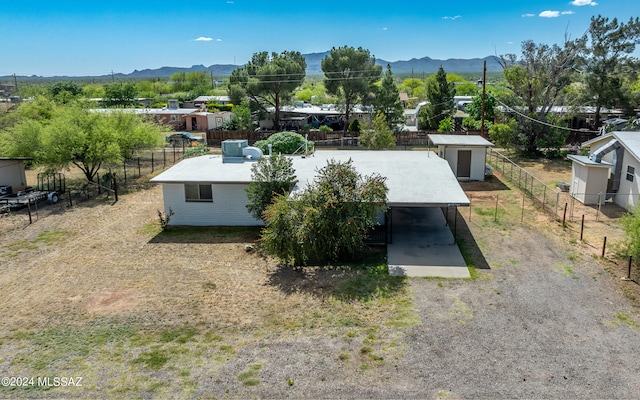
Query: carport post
[{"x": 455, "y": 223}]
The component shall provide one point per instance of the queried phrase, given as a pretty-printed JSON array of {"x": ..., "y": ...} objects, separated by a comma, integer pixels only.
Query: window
[
  {"x": 174, "y": 118},
  {"x": 194, "y": 192},
  {"x": 630, "y": 172}
]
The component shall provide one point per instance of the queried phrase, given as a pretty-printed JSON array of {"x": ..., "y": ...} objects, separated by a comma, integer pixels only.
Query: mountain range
[{"x": 415, "y": 65}]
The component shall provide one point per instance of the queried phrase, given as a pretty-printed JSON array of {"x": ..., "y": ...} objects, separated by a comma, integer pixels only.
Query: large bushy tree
[
  {"x": 537, "y": 80},
  {"x": 270, "y": 177},
  {"x": 329, "y": 221},
  {"x": 440, "y": 93},
  {"x": 269, "y": 79},
  {"x": 75, "y": 136},
  {"x": 120, "y": 94},
  {"x": 609, "y": 61},
  {"x": 387, "y": 101},
  {"x": 350, "y": 73}
]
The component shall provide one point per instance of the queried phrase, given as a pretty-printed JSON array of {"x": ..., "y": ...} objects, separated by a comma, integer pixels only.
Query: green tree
[
  {"x": 502, "y": 134},
  {"x": 412, "y": 87},
  {"x": 241, "y": 120},
  {"x": 75, "y": 136},
  {"x": 64, "y": 91},
  {"x": 284, "y": 143},
  {"x": 608, "y": 61},
  {"x": 270, "y": 79},
  {"x": 329, "y": 221},
  {"x": 446, "y": 125},
  {"x": 120, "y": 94},
  {"x": 270, "y": 177},
  {"x": 537, "y": 81},
  {"x": 440, "y": 93},
  {"x": 380, "y": 137},
  {"x": 350, "y": 74},
  {"x": 388, "y": 102},
  {"x": 178, "y": 81}
]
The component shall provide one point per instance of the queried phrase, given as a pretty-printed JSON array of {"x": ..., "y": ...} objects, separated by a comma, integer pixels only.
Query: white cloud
[
  {"x": 218, "y": 40},
  {"x": 567, "y": 12},
  {"x": 455, "y": 17},
  {"x": 549, "y": 14},
  {"x": 384, "y": 29},
  {"x": 581, "y": 3},
  {"x": 203, "y": 39},
  {"x": 528, "y": 15},
  {"x": 509, "y": 42}
]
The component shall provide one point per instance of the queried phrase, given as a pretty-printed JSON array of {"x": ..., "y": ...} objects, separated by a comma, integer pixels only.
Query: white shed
[
  {"x": 611, "y": 168},
  {"x": 12, "y": 173},
  {"x": 588, "y": 179},
  {"x": 466, "y": 154}
]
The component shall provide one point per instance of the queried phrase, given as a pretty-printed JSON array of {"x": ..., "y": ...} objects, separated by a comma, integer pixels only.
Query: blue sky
[{"x": 76, "y": 38}]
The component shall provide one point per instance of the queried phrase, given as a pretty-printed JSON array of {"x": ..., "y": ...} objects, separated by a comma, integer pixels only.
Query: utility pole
[
  {"x": 484, "y": 93},
  {"x": 212, "y": 87},
  {"x": 113, "y": 78},
  {"x": 15, "y": 82}
]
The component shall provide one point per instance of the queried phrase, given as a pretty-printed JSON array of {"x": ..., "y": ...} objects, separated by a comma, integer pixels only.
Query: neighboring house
[
  {"x": 610, "y": 172},
  {"x": 202, "y": 120},
  {"x": 12, "y": 173},
  {"x": 466, "y": 154},
  {"x": 207, "y": 191},
  {"x": 300, "y": 115},
  {"x": 203, "y": 100}
]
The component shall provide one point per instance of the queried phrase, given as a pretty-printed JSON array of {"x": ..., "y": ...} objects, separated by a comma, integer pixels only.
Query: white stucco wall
[
  {"x": 627, "y": 196},
  {"x": 478, "y": 160},
  {"x": 588, "y": 182},
  {"x": 12, "y": 174},
  {"x": 227, "y": 209}
]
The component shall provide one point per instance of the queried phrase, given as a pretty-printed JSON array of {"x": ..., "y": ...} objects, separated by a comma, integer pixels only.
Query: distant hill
[{"x": 415, "y": 65}]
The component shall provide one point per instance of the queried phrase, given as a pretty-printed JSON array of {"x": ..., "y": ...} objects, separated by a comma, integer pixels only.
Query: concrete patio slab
[{"x": 423, "y": 245}]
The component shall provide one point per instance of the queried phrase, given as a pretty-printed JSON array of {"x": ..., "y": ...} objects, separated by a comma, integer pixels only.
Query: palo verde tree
[
  {"x": 350, "y": 74},
  {"x": 537, "y": 80},
  {"x": 329, "y": 221},
  {"x": 270, "y": 79},
  {"x": 75, "y": 136},
  {"x": 270, "y": 177},
  {"x": 440, "y": 93},
  {"x": 387, "y": 101},
  {"x": 609, "y": 61}
]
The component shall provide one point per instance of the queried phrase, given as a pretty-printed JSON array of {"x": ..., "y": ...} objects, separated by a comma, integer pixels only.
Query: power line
[{"x": 544, "y": 123}]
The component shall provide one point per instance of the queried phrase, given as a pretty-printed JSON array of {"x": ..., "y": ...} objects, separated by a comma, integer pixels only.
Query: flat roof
[
  {"x": 459, "y": 140},
  {"x": 414, "y": 178},
  {"x": 586, "y": 161}
]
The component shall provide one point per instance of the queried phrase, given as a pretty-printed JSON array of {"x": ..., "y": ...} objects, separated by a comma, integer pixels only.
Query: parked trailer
[{"x": 25, "y": 198}]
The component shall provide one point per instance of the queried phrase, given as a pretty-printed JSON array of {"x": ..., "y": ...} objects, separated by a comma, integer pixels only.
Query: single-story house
[
  {"x": 610, "y": 172},
  {"x": 203, "y": 120},
  {"x": 202, "y": 100},
  {"x": 210, "y": 191},
  {"x": 12, "y": 173},
  {"x": 466, "y": 154}
]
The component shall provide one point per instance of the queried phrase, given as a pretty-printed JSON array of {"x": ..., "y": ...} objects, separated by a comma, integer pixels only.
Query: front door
[{"x": 464, "y": 164}]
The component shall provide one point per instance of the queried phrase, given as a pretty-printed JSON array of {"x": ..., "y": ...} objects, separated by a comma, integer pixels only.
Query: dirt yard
[{"x": 98, "y": 291}]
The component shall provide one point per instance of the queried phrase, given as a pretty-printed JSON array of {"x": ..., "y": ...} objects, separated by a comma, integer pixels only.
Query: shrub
[
  {"x": 380, "y": 137},
  {"x": 327, "y": 222},
  {"x": 284, "y": 143},
  {"x": 325, "y": 128},
  {"x": 354, "y": 126},
  {"x": 270, "y": 177}
]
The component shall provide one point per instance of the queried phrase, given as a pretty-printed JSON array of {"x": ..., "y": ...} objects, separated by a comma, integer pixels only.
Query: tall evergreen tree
[
  {"x": 609, "y": 61},
  {"x": 269, "y": 79},
  {"x": 388, "y": 101},
  {"x": 350, "y": 74},
  {"x": 440, "y": 104}
]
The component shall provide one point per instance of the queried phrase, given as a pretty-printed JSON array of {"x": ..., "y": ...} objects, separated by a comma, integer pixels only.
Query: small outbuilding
[
  {"x": 466, "y": 154},
  {"x": 610, "y": 172},
  {"x": 12, "y": 173}
]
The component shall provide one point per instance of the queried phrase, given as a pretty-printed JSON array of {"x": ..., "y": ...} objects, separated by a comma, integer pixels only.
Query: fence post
[
  {"x": 139, "y": 171},
  {"x": 124, "y": 168},
  {"x": 115, "y": 187},
  {"x": 70, "y": 201},
  {"x": 599, "y": 203},
  {"x": 628, "y": 278},
  {"x": 557, "y": 201},
  {"x": 522, "y": 215},
  {"x": 470, "y": 198},
  {"x": 582, "y": 227},
  {"x": 519, "y": 177},
  {"x": 29, "y": 209},
  {"x": 604, "y": 246},
  {"x": 495, "y": 217},
  {"x": 564, "y": 216},
  {"x": 544, "y": 196}
]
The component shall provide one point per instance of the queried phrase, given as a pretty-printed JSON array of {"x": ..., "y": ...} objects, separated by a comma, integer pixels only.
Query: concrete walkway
[{"x": 423, "y": 245}]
